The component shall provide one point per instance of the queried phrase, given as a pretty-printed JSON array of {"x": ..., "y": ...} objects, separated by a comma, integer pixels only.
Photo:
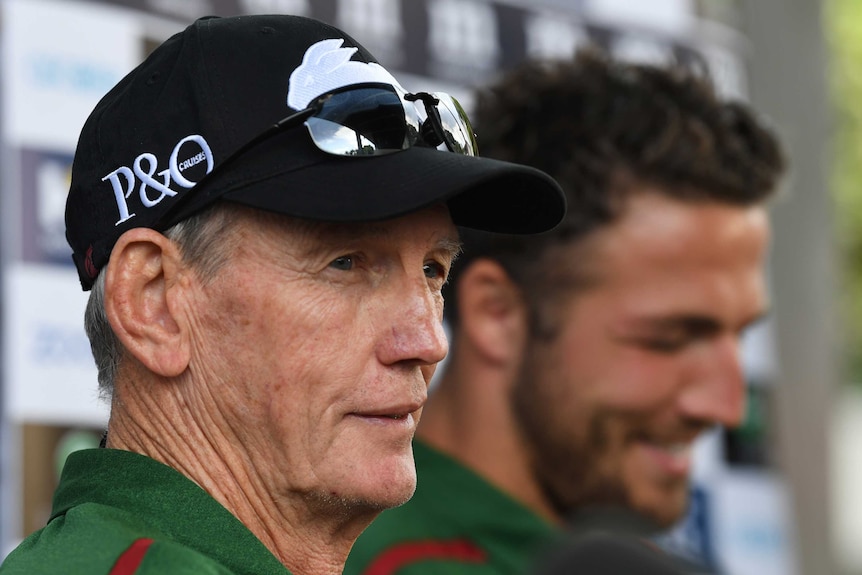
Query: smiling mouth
[
  {"x": 674, "y": 457},
  {"x": 675, "y": 449}
]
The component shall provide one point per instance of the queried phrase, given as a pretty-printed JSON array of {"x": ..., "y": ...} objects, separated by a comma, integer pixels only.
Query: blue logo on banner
[{"x": 55, "y": 72}]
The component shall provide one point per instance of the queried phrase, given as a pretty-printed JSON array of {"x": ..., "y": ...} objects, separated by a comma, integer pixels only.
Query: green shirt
[
  {"x": 456, "y": 523},
  {"x": 121, "y": 513}
]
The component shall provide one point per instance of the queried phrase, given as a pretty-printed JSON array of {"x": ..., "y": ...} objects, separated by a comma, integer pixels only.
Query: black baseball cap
[{"x": 151, "y": 152}]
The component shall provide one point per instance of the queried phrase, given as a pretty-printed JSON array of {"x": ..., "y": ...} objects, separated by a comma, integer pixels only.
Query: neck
[{"x": 469, "y": 416}]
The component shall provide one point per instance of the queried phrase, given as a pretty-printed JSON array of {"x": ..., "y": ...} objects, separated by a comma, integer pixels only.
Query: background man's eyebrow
[{"x": 700, "y": 324}]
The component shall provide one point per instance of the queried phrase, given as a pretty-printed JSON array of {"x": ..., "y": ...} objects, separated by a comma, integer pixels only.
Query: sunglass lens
[
  {"x": 456, "y": 126},
  {"x": 361, "y": 122}
]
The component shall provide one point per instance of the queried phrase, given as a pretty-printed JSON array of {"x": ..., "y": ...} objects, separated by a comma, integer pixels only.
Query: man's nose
[
  {"x": 415, "y": 331},
  {"x": 716, "y": 392}
]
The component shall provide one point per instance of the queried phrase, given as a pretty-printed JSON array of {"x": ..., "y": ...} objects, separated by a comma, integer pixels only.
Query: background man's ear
[
  {"x": 143, "y": 269},
  {"x": 491, "y": 311}
]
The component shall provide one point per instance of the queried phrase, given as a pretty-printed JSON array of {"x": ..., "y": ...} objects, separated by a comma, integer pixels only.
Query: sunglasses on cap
[
  {"x": 373, "y": 120},
  {"x": 365, "y": 121}
]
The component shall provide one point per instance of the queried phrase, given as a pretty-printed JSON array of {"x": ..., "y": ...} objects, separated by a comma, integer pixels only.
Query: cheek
[
  {"x": 267, "y": 337},
  {"x": 317, "y": 346},
  {"x": 642, "y": 381},
  {"x": 606, "y": 374}
]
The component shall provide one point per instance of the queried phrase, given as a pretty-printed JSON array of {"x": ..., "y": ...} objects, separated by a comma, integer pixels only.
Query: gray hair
[{"x": 196, "y": 238}]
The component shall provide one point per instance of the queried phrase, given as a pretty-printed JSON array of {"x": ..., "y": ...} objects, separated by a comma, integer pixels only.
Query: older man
[{"x": 266, "y": 219}]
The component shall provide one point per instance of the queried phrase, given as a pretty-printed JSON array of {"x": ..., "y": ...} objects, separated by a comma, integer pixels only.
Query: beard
[
  {"x": 566, "y": 466},
  {"x": 580, "y": 464}
]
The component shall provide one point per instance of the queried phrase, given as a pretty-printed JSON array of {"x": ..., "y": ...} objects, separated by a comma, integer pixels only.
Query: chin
[
  {"x": 376, "y": 503},
  {"x": 400, "y": 493},
  {"x": 358, "y": 502},
  {"x": 665, "y": 511},
  {"x": 385, "y": 490},
  {"x": 392, "y": 497}
]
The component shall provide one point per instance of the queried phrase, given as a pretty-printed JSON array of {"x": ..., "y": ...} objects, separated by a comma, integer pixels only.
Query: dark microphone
[
  {"x": 612, "y": 554},
  {"x": 612, "y": 542}
]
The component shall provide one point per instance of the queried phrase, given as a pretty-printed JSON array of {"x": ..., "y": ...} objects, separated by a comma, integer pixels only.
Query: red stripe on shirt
[
  {"x": 131, "y": 558},
  {"x": 397, "y": 557}
]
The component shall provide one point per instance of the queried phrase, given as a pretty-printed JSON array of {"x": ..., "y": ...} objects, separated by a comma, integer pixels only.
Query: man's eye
[
  {"x": 344, "y": 263},
  {"x": 434, "y": 271},
  {"x": 664, "y": 345}
]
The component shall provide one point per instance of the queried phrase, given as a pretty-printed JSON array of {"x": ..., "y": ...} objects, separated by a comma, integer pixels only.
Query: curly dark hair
[{"x": 604, "y": 129}]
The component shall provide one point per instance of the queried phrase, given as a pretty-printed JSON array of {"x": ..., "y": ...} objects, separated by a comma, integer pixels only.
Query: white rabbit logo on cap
[{"x": 326, "y": 66}]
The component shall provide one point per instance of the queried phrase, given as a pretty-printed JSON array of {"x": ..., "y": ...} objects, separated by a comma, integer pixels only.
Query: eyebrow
[
  {"x": 694, "y": 324},
  {"x": 450, "y": 246}
]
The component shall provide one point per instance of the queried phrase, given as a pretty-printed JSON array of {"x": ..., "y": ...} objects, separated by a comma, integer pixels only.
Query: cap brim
[{"x": 291, "y": 176}]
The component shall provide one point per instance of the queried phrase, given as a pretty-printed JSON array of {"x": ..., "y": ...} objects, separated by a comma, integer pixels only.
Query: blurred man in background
[{"x": 586, "y": 361}]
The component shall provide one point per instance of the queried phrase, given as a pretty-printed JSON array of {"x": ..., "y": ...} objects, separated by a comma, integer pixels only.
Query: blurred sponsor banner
[
  {"x": 47, "y": 356},
  {"x": 468, "y": 41},
  {"x": 59, "y": 58}
]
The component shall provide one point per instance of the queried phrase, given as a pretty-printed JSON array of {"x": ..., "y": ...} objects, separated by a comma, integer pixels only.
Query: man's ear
[
  {"x": 142, "y": 276},
  {"x": 491, "y": 311}
]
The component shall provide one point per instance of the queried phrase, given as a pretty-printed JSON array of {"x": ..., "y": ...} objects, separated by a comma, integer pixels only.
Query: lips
[
  {"x": 675, "y": 449},
  {"x": 393, "y": 416},
  {"x": 395, "y": 412},
  {"x": 672, "y": 458}
]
